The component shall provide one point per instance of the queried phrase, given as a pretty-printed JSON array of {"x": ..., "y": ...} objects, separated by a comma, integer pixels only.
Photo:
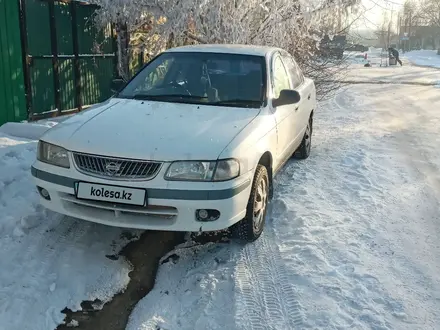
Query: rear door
[
  {"x": 303, "y": 88},
  {"x": 310, "y": 95}
]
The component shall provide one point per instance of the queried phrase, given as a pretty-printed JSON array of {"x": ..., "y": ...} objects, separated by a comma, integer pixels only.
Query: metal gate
[
  {"x": 68, "y": 62},
  {"x": 12, "y": 100}
]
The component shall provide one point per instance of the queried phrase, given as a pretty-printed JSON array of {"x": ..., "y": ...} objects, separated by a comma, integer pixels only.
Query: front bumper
[{"x": 171, "y": 205}]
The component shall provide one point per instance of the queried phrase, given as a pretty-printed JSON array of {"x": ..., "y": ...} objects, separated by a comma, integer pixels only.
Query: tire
[
  {"x": 250, "y": 228},
  {"x": 305, "y": 147}
]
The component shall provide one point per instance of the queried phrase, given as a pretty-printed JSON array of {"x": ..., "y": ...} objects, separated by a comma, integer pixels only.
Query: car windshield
[{"x": 201, "y": 78}]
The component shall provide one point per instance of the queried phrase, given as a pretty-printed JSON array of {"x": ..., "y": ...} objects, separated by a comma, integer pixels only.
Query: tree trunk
[{"x": 123, "y": 50}]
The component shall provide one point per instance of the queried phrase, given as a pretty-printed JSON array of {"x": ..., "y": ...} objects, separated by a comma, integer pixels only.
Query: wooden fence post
[
  {"x": 25, "y": 57},
  {"x": 55, "y": 62},
  {"x": 76, "y": 63}
]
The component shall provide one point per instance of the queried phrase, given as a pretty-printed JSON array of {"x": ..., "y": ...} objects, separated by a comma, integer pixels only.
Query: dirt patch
[
  {"x": 144, "y": 254},
  {"x": 221, "y": 236}
]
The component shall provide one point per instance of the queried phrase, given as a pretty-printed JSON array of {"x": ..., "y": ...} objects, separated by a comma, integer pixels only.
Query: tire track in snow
[
  {"x": 265, "y": 295},
  {"x": 349, "y": 273},
  {"x": 265, "y": 298}
]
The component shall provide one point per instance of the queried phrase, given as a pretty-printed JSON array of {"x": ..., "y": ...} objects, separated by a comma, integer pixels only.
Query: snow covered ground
[
  {"x": 406, "y": 74},
  {"x": 48, "y": 262},
  {"x": 395, "y": 74},
  {"x": 352, "y": 236},
  {"x": 351, "y": 240},
  {"x": 427, "y": 58}
]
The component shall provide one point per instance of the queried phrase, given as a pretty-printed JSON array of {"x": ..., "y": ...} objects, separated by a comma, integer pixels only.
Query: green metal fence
[
  {"x": 70, "y": 63},
  {"x": 53, "y": 59},
  {"x": 12, "y": 95}
]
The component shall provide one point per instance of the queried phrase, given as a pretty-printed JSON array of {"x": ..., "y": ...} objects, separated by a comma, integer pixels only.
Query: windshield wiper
[
  {"x": 166, "y": 97},
  {"x": 238, "y": 102}
]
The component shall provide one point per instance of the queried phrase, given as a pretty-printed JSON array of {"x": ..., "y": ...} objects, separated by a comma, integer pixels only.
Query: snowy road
[
  {"x": 351, "y": 240},
  {"x": 352, "y": 236}
]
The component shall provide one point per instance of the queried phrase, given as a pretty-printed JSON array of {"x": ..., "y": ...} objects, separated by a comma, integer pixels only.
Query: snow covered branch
[{"x": 295, "y": 25}]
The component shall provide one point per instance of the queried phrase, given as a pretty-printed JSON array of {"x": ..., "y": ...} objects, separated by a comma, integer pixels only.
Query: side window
[
  {"x": 280, "y": 79},
  {"x": 293, "y": 71},
  {"x": 300, "y": 73}
]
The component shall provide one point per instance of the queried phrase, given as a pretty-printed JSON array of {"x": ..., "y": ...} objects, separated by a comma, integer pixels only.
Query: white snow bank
[
  {"x": 48, "y": 261},
  {"x": 351, "y": 240},
  {"x": 423, "y": 58},
  {"x": 201, "y": 280},
  {"x": 29, "y": 131},
  {"x": 356, "y": 57},
  {"x": 357, "y": 60},
  {"x": 376, "y": 51}
]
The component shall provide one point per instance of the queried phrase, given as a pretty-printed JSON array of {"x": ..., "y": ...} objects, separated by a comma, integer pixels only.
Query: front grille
[{"x": 116, "y": 168}]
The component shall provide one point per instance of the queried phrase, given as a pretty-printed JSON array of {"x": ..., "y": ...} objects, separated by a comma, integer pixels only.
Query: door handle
[{"x": 309, "y": 96}]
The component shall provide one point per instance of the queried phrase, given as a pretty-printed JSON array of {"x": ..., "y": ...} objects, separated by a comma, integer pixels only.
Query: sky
[{"x": 374, "y": 12}]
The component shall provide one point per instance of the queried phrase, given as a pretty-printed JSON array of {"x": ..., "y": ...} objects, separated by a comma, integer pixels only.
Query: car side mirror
[
  {"x": 116, "y": 85},
  {"x": 287, "y": 96}
]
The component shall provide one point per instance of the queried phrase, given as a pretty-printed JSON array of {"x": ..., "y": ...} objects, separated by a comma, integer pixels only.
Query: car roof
[{"x": 226, "y": 49}]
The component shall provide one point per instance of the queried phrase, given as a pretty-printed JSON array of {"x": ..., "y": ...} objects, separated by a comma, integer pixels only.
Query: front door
[{"x": 285, "y": 115}]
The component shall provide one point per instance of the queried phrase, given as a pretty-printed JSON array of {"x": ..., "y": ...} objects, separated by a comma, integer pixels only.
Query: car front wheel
[{"x": 251, "y": 227}]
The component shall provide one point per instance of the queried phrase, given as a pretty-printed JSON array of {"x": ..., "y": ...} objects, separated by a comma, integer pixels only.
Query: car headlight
[
  {"x": 52, "y": 154},
  {"x": 220, "y": 170}
]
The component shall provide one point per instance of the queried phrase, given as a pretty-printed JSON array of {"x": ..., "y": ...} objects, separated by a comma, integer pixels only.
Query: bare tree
[
  {"x": 429, "y": 12},
  {"x": 297, "y": 26}
]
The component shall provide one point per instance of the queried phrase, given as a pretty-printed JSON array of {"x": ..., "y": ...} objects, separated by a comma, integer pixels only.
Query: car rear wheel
[
  {"x": 304, "y": 149},
  {"x": 251, "y": 227}
]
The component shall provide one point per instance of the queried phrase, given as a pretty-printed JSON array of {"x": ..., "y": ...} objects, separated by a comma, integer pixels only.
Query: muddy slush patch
[{"x": 144, "y": 255}]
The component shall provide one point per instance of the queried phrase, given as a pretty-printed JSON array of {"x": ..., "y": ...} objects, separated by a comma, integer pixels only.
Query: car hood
[{"x": 151, "y": 130}]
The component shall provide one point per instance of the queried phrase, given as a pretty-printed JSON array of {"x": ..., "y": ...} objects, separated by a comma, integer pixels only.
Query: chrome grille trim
[{"x": 116, "y": 168}]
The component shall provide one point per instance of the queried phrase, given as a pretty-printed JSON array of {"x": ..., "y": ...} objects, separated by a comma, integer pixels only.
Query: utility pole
[
  {"x": 399, "y": 27},
  {"x": 409, "y": 32},
  {"x": 405, "y": 42},
  {"x": 389, "y": 30},
  {"x": 388, "y": 36}
]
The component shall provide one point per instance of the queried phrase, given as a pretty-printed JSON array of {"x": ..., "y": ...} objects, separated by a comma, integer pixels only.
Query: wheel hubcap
[{"x": 260, "y": 203}]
